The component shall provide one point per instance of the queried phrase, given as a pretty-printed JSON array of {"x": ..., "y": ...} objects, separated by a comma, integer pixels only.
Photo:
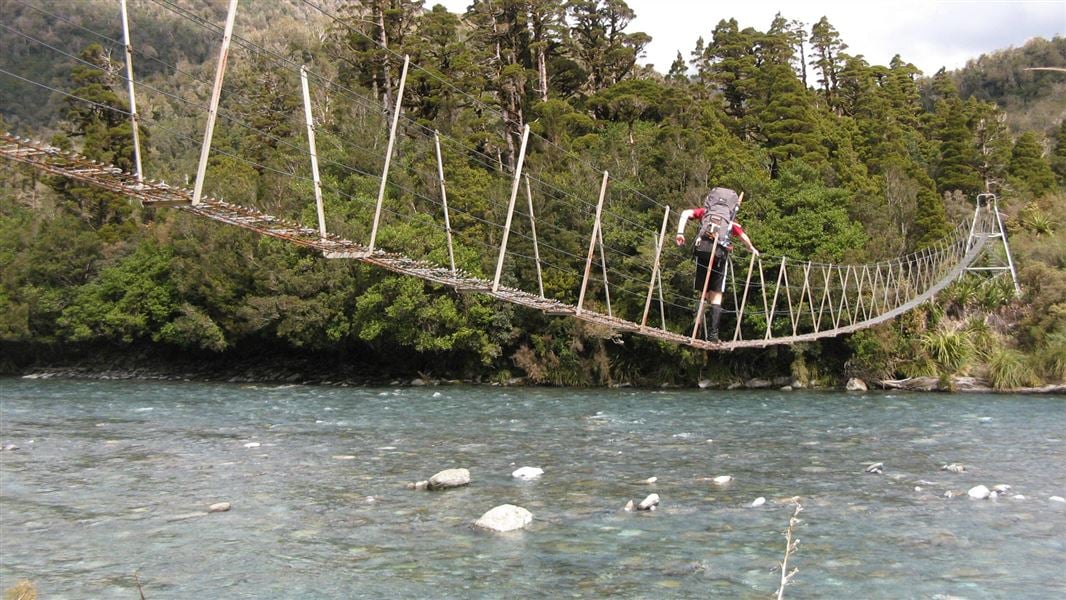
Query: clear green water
[{"x": 114, "y": 470}]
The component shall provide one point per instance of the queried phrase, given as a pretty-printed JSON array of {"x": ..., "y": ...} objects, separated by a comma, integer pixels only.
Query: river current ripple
[{"x": 111, "y": 482}]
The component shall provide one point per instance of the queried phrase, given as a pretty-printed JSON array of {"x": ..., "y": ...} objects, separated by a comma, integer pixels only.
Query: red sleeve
[
  {"x": 698, "y": 213},
  {"x": 737, "y": 229}
]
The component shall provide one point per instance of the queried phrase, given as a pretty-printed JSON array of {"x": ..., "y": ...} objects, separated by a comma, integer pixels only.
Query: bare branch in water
[
  {"x": 791, "y": 545},
  {"x": 137, "y": 580}
]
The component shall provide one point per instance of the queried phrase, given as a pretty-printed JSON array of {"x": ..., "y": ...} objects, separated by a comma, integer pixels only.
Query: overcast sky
[{"x": 929, "y": 33}]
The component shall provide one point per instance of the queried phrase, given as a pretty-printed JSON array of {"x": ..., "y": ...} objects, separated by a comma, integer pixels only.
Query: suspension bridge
[{"x": 773, "y": 301}]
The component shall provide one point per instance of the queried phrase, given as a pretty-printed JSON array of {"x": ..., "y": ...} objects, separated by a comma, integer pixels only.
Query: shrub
[
  {"x": 1051, "y": 357},
  {"x": 1007, "y": 369},
  {"x": 950, "y": 347}
]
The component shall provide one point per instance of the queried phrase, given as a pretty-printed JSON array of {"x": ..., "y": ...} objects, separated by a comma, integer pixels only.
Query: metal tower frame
[{"x": 991, "y": 204}]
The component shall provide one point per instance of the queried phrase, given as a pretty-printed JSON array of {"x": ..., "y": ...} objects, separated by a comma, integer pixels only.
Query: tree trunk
[{"x": 386, "y": 79}]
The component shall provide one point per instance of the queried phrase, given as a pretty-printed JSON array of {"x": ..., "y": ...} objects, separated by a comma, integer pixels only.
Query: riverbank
[{"x": 311, "y": 372}]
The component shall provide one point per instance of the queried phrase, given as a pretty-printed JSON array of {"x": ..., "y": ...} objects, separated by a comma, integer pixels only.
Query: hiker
[{"x": 716, "y": 219}]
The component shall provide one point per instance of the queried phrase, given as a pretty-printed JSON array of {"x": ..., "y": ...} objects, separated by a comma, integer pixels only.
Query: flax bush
[
  {"x": 1007, "y": 369},
  {"x": 950, "y": 347}
]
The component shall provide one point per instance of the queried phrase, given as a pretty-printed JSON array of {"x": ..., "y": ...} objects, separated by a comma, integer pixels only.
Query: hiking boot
[{"x": 716, "y": 315}]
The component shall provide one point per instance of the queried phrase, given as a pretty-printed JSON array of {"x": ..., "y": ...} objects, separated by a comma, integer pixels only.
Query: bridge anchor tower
[{"x": 990, "y": 204}]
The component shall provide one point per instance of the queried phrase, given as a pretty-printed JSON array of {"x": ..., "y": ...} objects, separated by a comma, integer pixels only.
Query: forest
[{"x": 840, "y": 160}]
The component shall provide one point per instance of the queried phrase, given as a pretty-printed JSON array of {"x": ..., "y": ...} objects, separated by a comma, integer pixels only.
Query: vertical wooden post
[
  {"x": 133, "y": 98},
  {"x": 533, "y": 230},
  {"x": 860, "y": 303},
  {"x": 744, "y": 298},
  {"x": 655, "y": 270},
  {"x": 444, "y": 201},
  {"x": 807, "y": 287},
  {"x": 844, "y": 304},
  {"x": 314, "y": 154},
  {"x": 788, "y": 297},
  {"x": 826, "y": 296},
  {"x": 777, "y": 290},
  {"x": 592, "y": 244},
  {"x": 510, "y": 208},
  {"x": 899, "y": 283},
  {"x": 212, "y": 110},
  {"x": 388, "y": 155}
]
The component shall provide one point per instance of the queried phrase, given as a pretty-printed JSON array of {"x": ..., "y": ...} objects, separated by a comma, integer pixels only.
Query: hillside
[{"x": 1032, "y": 100}]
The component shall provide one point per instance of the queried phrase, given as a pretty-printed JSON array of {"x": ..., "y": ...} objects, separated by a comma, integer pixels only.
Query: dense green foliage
[{"x": 841, "y": 161}]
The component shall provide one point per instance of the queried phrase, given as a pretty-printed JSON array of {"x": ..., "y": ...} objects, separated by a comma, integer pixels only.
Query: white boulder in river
[
  {"x": 506, "y": 517},
  {"x": 979, "y": 492},
  {"x": 449, "y": 478},
  {"x": 722, "y": 479},
  {"x": 649, "y": 503},
  {"x": 758, "y": 502},
  {"x": 527, "y": 473}
]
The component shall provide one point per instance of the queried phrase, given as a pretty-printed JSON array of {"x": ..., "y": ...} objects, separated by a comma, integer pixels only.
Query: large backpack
[{"x": 720, "y": 206}]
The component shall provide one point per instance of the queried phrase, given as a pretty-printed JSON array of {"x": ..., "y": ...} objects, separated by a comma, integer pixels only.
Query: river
[{"x": 111, "y": 481}]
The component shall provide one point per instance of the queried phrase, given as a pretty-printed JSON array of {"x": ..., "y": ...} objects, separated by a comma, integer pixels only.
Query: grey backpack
[{"x": 720, "y": 206}]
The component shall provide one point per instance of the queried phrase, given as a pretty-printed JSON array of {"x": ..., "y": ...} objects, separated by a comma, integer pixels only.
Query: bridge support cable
[
  {"x": 603, "y": 264},
  {"x": 510, "y": 207},
  {"x": 655, "y": 271},
  {"x": 212, "y": 111},
  {"x": 533, "y": 232},
  {"x": 309, "y": 118},
  {"x": 388, "y": 154},
  {"x": 138, "y": 170},
  {"x": 592, "y": 244}
]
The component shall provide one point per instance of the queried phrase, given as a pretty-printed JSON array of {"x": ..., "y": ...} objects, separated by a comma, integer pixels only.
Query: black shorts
[{"x": 719, "y": 270}]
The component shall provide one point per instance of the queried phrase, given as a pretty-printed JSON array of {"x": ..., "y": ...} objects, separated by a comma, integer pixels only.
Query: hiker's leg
[
  {"x": 714, "y": 293},
  {"x": 716, "y": 315}
]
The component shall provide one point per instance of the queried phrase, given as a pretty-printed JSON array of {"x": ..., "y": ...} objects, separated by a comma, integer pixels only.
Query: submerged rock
[
  {"x": 876, "y": 468},
  {"x": 979, "y": 492},
  {"x": 722, "y": 479},
  {"x": 1057, "y": 499},
  {"x": 184, "y": 516},
  {"x": 506, "y": 517},
  {"x": 954, "y": 468},
  {"x": 758, "y": 502},
  {"x": 629, "y": 506},
  {"x": 219, "y": 507},
  {"x": 449, "y": 478},
  {"x": 650, "y": 480},
  {"x": 418, "y": 485},
  {"x": 527, "y": 473},
  {"x": 1001, "y": 488}
]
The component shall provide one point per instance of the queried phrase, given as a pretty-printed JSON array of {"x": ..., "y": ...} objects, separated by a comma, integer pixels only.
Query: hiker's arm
[
  {"x": 685, "y": 216},
  {"x": 747, "y": 242}
]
